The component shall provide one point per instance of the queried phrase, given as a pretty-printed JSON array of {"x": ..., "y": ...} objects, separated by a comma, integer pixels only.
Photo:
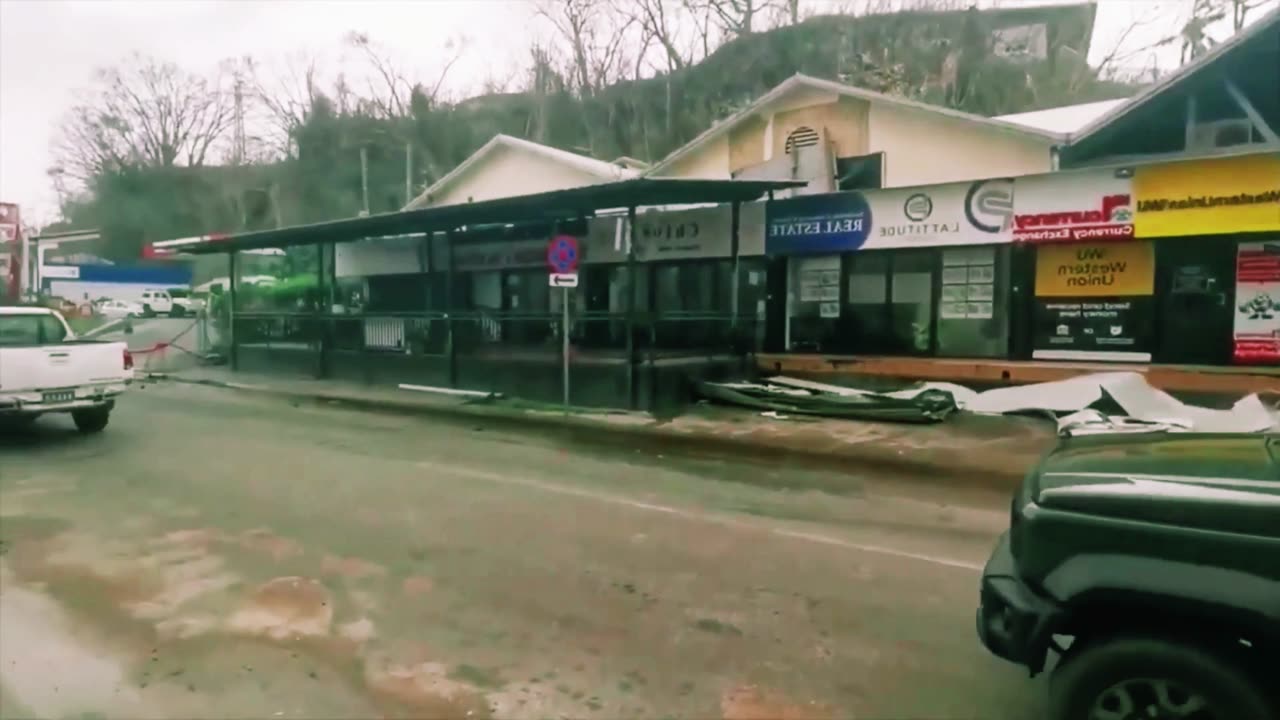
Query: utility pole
[
  {"x": 238, "y": 139},
  {"x": 408, "y": 173},
  {"x": 364, "y": 177}
]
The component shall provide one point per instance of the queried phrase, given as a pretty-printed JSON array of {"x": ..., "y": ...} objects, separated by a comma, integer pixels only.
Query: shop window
[
  {"x": 866, "y": 326},
  {"x": 973, "y": 318},
  {"x": 911, "y": 302},
  {"x": 1095, "y": 302},
  {"x": 697, "y": 289},
  {"x": 813, "y": 303},
  {"x": 396, "y": 293},
  {"x": 485, "y": 290},
  {"x": 753, "y": 295}
]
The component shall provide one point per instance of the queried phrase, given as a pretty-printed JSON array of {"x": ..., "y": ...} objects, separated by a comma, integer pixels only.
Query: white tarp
[{"x": 1128, "y": 390}]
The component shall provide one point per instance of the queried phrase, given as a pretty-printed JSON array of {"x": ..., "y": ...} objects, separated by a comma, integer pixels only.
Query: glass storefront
[{"x": 973, "y": 306}]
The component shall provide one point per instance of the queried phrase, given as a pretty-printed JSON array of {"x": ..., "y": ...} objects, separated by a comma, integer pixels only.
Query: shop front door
[{"x": 1195, "y": 289}]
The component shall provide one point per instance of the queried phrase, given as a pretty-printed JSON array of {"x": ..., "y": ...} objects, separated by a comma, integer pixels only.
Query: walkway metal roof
[{"x": 565, "y": 205}]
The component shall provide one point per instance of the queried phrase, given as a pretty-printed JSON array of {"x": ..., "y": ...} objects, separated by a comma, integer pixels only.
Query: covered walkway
[{"x": 616, "y": 355}]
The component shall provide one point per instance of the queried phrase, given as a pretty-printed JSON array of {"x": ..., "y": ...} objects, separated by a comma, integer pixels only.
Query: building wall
[
  {"x": 710, "y": 161},
  {"x": 509, "y": 172},
  {"x": 921, "y": 149},
  {"x": 845, "y": 121},
  {"x": 745, "y": 147}
]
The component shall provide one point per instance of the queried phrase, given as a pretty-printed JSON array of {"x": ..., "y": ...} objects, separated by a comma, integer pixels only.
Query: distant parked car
[
  {"x": 116, "y": 309},
  {"x": 192, "y": 303},
  {"x": 174, "y": 303}
]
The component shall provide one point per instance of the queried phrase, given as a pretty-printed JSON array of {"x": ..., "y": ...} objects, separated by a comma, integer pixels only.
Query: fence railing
[
  {"x": 496, "y": 350},
  {"x": 418, "y": 333}
]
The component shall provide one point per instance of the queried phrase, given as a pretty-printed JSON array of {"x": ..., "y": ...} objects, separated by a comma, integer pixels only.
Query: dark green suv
[{"x": 1150, "y": 564}]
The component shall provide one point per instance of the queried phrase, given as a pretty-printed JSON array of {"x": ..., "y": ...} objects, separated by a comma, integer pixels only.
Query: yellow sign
[
  {"x": 1096, "y": 270},
  {"x": 1208, "y": 197}
]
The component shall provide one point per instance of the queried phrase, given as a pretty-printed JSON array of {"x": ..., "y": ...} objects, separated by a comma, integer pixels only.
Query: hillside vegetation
[{"x": 984, "y": 62}]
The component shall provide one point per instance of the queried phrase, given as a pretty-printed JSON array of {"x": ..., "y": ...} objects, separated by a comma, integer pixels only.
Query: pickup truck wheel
[
  {"x": 91, "y": 421},
  {"x": 1148, "y": 679}
]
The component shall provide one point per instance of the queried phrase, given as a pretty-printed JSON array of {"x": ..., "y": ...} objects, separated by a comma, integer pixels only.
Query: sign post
[{"x": 562, "y": 259}]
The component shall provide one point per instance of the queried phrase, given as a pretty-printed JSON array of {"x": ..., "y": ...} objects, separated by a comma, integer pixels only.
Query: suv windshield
[{"x": 179, "y": 293}]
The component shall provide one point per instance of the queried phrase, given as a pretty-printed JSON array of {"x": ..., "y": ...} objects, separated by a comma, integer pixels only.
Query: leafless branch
[{"x": 143, "y": 113}]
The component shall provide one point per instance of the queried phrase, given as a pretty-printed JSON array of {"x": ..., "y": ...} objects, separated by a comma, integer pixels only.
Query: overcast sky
[{"x": 49, "y": 49}]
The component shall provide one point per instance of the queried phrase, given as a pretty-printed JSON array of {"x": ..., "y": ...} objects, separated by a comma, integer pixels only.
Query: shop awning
[{"x": 564, "y": 205}]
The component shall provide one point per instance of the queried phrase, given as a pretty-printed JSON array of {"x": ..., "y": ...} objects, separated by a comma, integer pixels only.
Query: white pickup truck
[{"x": 45, "y": 369}]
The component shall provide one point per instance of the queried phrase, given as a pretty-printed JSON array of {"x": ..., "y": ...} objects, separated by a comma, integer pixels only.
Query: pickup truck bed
[{"x": 44, "y": 369}]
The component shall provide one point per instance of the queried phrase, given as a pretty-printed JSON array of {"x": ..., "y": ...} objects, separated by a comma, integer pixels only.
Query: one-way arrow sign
[{"x": 564, "y": 280}]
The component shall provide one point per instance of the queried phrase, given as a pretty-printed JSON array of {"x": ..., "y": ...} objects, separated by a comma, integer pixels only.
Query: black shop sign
[{"x": 1094, "y": 328}]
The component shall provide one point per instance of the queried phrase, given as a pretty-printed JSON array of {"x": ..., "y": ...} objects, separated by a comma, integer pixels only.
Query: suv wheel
[{"x": 1148, "y": 679}]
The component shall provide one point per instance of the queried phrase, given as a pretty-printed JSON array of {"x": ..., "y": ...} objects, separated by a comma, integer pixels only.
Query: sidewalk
[{"x": 970, "y": 450}]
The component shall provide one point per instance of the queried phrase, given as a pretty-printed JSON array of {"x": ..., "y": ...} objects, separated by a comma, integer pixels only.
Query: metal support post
[
  {"x": 317, "y": 313},
  {"x": 735, "y": 213},
  {"x": 564, "y": 345},
  {"x": 450, "y": 337},
  {"x": 231, "y": 310},
  {"x": 631, "y": 306}
]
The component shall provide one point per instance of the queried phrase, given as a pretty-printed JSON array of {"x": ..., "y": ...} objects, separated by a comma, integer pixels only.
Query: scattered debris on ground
[{"x": 1095, "y": 403}]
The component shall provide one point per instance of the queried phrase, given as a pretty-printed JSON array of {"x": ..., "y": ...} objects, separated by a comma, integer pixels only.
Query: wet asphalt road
[{"x": 215, "y": 554}]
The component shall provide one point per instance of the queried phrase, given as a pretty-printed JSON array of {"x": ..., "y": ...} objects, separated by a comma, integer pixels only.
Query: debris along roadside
[
  {"x": 801, "y": 397},
  {"x": 1095, "y": 403}
]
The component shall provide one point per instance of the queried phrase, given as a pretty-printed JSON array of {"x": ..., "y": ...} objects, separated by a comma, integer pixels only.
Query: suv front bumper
[{"x": 1014, "y": 621}]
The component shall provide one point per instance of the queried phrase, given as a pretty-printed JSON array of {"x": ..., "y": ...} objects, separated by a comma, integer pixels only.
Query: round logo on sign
[
  {"x": 918, "y": 207},
  {"x": 562, "y": 254}
]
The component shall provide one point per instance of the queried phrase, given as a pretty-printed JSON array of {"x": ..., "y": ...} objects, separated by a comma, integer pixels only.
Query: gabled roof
[
  {"x": 567, "y": 205},
  {"x": 605, "y": 171},
  {"x": 1267, "y": 23},
  {"x": 1064, "y": 119},
  {"x": 799, "y": 80}
]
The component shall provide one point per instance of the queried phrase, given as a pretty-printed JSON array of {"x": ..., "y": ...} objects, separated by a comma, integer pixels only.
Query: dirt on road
[{"x": 213, "y": 556}]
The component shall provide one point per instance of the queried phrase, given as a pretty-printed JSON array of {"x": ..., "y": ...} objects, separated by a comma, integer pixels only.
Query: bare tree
[
  {"x": 390, "y": 90},
  {"x": 739, "y": 17},
  {"x": 285, "y": 98},
  {"x": 660, "y": 21},
  {"x": 1240, "y": 9},
  {"x": 596, "y": 35},
  {"x": 144, "y": 113},
  {"x": 705, "y": 29},
  {"x": 1120, "y": 54}
]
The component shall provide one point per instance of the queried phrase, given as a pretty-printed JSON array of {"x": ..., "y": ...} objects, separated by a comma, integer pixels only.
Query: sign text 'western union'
[
  {"x": 1095, "y": 270},
  {"x": 1208, "y": 197}
]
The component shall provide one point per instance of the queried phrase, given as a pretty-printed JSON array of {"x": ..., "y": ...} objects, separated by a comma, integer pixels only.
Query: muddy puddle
[{"x": 176, "y": 644}]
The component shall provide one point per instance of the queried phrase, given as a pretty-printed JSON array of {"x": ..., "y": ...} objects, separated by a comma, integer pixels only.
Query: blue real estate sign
[{"x": 817, "y": 224}]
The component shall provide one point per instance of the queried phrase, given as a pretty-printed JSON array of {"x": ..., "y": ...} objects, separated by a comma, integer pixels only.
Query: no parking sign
[{"x": 563, "y": 254}]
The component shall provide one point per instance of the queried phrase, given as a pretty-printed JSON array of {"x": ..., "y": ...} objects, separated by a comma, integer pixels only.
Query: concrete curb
[{"x": 956, "y": 470}]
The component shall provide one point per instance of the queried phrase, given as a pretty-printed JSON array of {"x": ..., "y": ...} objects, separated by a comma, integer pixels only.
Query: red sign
[
  {"x": 563, "y": 254},
  {"x": 11, "y": 244},
  {"x": 1111, "y": 220},
  {"x": 1257, "y": 323}
]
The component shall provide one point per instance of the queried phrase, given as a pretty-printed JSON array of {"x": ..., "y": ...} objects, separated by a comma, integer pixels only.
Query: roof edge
[
  {"x": 601, "y": 169},
  {"x": 1179, "y": 75},
  {"x": 845, "y": 90}
]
